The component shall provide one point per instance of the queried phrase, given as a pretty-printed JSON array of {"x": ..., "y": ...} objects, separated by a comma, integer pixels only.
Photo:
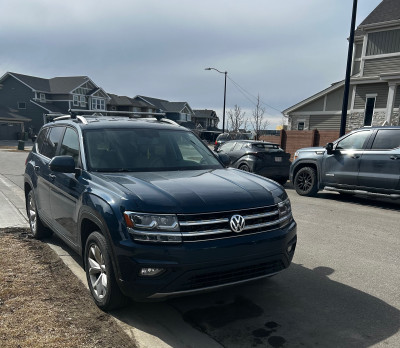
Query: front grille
[
  {"x": 232, "y": 275},
  {"x": 196, "y": 227}
]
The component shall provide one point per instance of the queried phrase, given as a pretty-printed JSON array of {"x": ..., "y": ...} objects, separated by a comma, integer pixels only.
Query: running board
[{"x": 361, "y": 192}]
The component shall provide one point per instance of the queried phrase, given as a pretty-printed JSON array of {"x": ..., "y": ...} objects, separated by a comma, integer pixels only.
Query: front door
[
  {"x": 66, "y": 190},
  {"x": 341, "y": 167}
]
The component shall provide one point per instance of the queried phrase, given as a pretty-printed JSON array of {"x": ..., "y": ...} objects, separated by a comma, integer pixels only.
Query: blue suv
[{"x": 152, "y": 211}]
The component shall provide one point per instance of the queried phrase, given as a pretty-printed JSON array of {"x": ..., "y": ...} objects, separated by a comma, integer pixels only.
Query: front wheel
[
  {"x": 305, "y": 182},
  {"x": 100, "y": 274}
]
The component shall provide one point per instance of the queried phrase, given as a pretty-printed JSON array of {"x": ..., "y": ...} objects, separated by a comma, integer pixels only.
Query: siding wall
[
  {"x": 383, "y": 42},
  {"x": 375, "y": 67},
  {"x": 325, "y": 122},
  {"x": 12, "y": 92},
  {"x": 316, "y": 105},
  {"x": 381, "y": 89},
  {"x": 334, "y": 100}
]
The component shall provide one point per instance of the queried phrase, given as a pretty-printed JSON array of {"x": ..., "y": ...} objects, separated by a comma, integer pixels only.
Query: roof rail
[
  {"x": 167, "y": 120},
  {"x": 131, "y": 114},
  {"x": 63, "y": 117}
]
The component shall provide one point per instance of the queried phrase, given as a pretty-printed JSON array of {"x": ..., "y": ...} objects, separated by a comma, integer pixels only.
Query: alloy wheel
[
  {"x": 97, "y": 271},
  {"x": 304, "y": 181}
]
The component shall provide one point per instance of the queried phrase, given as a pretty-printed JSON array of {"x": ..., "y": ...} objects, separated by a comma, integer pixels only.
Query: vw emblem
[{"x": 237, "y": 223}]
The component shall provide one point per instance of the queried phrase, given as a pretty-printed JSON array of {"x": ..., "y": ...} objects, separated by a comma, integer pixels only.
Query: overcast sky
[{"x": 284, "y": 50}]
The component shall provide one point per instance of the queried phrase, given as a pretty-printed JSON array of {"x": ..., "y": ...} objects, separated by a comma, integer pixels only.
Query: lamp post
[{"x": 223, "y": 115}]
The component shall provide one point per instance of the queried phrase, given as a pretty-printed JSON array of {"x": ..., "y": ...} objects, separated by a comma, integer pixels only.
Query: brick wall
[{"x": 293, "y": 140}]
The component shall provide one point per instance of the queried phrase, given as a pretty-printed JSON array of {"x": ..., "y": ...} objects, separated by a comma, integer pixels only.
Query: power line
[{"x": 243, "y": 91}]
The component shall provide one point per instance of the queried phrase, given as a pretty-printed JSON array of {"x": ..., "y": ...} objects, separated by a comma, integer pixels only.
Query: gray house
[
  {"x": 207, "y": 119},
  {"x": 27, "y": 102},
  {"x": 179, "y": 112},
  {"x": 374, "y": 97}
]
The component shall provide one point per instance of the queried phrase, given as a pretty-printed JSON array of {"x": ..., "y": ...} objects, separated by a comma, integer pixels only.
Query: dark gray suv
[{"x": 364, "y": 161}]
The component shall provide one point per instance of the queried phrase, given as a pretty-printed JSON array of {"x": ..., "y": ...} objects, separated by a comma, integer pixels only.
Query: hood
[
  {"x": 195, "y": 191},
  {"x": 315, "y": 149}
]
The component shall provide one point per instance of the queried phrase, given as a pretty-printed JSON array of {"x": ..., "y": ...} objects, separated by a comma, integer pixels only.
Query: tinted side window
[
  {"x": 386, "y": 139},
  {"x": 70, "y": 145},
  {"x": 51, "y": 142},
  {"x": 228, "y": 146},
  {"x": 354, "y": 141},
  {"x": 40, "y": 139}
]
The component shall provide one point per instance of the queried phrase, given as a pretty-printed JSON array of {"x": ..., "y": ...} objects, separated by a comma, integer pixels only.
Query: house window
[
  {"x": 42, "y": 97},
  {"x": 83, "y": 101},
  {"x": 76, "y": 100},
  {"x": 21, "y": 105},
  {"x": 369, "y": 110},
  {"x": 300, "y": 126},
  {"x": 113, "y": 108},
  {"x": 98, "y": 104}
]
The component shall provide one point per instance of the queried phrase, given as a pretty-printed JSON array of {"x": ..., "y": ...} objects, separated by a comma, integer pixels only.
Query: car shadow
[{"x": 299, "y": 307}]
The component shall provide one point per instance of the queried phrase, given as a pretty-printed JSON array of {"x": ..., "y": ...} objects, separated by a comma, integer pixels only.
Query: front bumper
[{"x": 193, "y": 267}]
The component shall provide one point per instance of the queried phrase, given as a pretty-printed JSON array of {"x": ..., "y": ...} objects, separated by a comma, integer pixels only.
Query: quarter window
[
  {"x": 354, "y": 141},
  {"x": 51, "y": 142},
  {"x": 386, "y": 139}
]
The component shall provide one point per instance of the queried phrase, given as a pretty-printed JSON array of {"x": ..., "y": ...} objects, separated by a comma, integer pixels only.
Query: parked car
[
  {"x": 152, "y": 211},
  {"x": 224, "y": 137},
  {"x": 364, "y": 161},
  {"x": 262, "y": 158}
]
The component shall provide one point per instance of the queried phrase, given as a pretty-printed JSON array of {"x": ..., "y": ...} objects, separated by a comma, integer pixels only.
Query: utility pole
[{"x": 348, "y": 70}]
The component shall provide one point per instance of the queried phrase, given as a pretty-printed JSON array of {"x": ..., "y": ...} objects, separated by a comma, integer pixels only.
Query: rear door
[
  {"x": 380, "y": 164},
  {"x": 44, "y": 175}
]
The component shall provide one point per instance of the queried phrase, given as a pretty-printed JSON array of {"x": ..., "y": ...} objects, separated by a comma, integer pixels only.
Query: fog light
[
  {"x": 290, "y": 248},
  {"x": 150, "y": 272}
]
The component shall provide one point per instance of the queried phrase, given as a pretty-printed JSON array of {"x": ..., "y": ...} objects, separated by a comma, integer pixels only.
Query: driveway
[{"x": 342, "y": 289}]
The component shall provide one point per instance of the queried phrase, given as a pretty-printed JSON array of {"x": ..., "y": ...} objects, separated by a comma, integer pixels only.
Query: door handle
[
  {"x": 394, "y": 157},
  {"x": 355, "y": 156},
  {"x": 52, "y": 176},
  {"x": 36, "y": 168}
]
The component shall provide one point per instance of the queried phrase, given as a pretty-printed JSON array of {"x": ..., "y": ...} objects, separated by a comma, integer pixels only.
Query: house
[
  {"x": 374, "y": 97},
  {"x": 179, "y": 112},
  {"x": 27, "y": 102},
  {"x": 206, "y": 119}
]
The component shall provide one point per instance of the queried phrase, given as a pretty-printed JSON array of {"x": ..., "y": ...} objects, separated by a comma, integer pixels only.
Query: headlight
[
  {"x": 152, "y": 227},
  {"x": 285, "y": 212}
]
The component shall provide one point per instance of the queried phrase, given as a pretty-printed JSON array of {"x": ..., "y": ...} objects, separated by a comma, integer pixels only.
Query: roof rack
[
  {"x": 131, "y": 114},
  {"x": 69, "y": 117}
]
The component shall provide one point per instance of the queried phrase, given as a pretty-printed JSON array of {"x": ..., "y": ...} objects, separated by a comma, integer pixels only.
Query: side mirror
[
  {"x": 33, "y": 138},
  {"x": 224, "y": 158},
  {"x": 62, "y": 164},
  {"x": 329, "y": 148}
]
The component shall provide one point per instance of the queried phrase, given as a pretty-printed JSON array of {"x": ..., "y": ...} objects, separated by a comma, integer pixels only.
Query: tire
[
  {"x": 305, "y": 182},
  {"x": 38, "y": 230},
  {"x": 100, "y": 274},
  {"x": 244, "y": 167}
]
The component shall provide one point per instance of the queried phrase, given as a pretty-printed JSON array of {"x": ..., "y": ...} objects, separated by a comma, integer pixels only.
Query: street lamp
[{"x": 223, "y": 117}]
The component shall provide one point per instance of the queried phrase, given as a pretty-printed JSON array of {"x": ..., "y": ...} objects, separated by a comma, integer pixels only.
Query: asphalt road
[{"x": 342, "y": 289}]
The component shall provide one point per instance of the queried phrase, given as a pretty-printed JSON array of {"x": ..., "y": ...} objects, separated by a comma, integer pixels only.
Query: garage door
[{"x": 9, "y": 131}]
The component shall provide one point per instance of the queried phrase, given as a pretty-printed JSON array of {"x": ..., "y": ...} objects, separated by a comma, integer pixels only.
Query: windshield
[{"x": 140, "y": 150}]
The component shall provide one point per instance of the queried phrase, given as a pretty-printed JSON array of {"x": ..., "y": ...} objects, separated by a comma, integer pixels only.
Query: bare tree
[
  {"x": 258, "y": 121},
  {"x": 236, "y": 119}
]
